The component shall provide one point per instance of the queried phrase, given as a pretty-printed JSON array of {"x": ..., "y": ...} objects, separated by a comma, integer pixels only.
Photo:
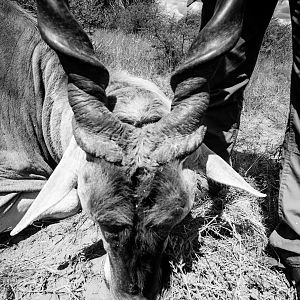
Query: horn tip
[
  {"x": 15, "y": 231},
  {"x": 258, "y": 194},
  {"x": 19, "y": 227},
  {"x": 262, "y": 195}
]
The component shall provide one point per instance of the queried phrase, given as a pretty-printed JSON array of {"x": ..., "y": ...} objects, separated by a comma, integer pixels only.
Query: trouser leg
[
  {"x": 286, "y": 237},
  {"x": 232, "y": 76}
]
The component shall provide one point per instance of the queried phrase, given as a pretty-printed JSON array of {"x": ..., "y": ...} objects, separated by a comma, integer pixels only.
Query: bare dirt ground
[{"x": 61, "y": 261}]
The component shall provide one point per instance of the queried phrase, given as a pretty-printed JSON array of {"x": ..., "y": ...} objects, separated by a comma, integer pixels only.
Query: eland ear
[
  {"x": 190, "y": 2},
  {"x": 218, "y": 170},
  {"x": 59, "y": 185}
]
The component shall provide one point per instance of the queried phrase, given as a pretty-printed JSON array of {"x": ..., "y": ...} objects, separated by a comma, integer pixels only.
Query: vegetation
[{"x": 167, "y": 35}]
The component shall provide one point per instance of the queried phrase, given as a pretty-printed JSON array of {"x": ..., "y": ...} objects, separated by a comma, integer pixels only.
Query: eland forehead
[
  {"x": 147, "y": 198},
  {"x": 135, "y": 100},
  {"x": 136, "y": 215}
]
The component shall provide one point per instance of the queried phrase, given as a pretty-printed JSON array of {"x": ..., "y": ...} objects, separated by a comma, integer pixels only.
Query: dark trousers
[{"x": 223, "y": 115}]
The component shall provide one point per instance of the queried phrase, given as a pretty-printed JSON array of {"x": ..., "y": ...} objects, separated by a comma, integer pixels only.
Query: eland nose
[
  {"x": 131, "y": 297},
  {"x": 134, "y": 289}
]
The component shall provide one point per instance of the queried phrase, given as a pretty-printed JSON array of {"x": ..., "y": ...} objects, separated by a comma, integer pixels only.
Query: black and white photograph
[{"x": 149, "y": 149}]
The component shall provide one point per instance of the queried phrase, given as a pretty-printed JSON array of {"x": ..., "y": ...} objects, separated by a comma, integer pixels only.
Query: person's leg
[
  {"x": 232, "y": 76},
  {"x": 286, "y": 238}
]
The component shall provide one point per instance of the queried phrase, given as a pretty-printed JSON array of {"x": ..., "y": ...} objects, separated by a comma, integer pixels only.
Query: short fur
[{"x": 136, "y": 215}]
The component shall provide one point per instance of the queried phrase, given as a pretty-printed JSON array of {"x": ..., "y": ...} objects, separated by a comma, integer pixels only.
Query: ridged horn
[
  {"x": 96, "y": 130},
  {"x": 218, "y": 37},
  {"x": 182, "y": 131}
]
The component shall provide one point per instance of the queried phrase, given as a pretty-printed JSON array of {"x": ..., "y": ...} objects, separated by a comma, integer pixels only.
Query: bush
[
  {"x": 92, "y": 14},
  {"x": 169, "y": 37},
  {"x": 173, "y": 37},
  {"x": 137, "y": 18}
]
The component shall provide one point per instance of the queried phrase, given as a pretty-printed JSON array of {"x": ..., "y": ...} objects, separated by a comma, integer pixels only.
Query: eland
[{"x": 76, "y": 136}]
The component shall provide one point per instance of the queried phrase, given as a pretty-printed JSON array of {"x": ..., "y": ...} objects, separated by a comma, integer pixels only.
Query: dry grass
[
  {"x": 132, "y": 53},
  {"x": 118, "y": 51},
  {"x": 218, "y": 252},
  {"x": 57, "y": 262}
]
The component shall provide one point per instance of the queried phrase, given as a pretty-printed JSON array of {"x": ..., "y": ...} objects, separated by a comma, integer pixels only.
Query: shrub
[
  {"x": 169, "y": 37},
  {"x": 173, "y": 37},
  {"x": 137, "y": 18}
]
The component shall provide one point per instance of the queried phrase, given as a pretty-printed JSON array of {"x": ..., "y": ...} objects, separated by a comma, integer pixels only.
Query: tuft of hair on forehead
[
  {"x": 123, "y": 78},
  {"x": 135, "y": 100},
  {"x": 166, "y": 198},
  {"x": 150, "y": 199}
]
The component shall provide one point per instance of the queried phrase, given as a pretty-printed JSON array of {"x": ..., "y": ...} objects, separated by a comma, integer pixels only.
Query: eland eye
[
  {"x": 112, "y": 238},
  {"x": 113, "y": 234},
  {"x": 111, "y": 231},
  {"x": 110, "y": 235}
]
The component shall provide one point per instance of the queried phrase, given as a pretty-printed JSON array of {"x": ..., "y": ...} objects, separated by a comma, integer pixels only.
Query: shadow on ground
[
  {"x": 264, "y": 171},
  {"x": 6, "y": 240}
]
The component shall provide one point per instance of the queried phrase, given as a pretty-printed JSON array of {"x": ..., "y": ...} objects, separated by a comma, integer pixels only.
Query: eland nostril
[{"x": 134, "y": 289}]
